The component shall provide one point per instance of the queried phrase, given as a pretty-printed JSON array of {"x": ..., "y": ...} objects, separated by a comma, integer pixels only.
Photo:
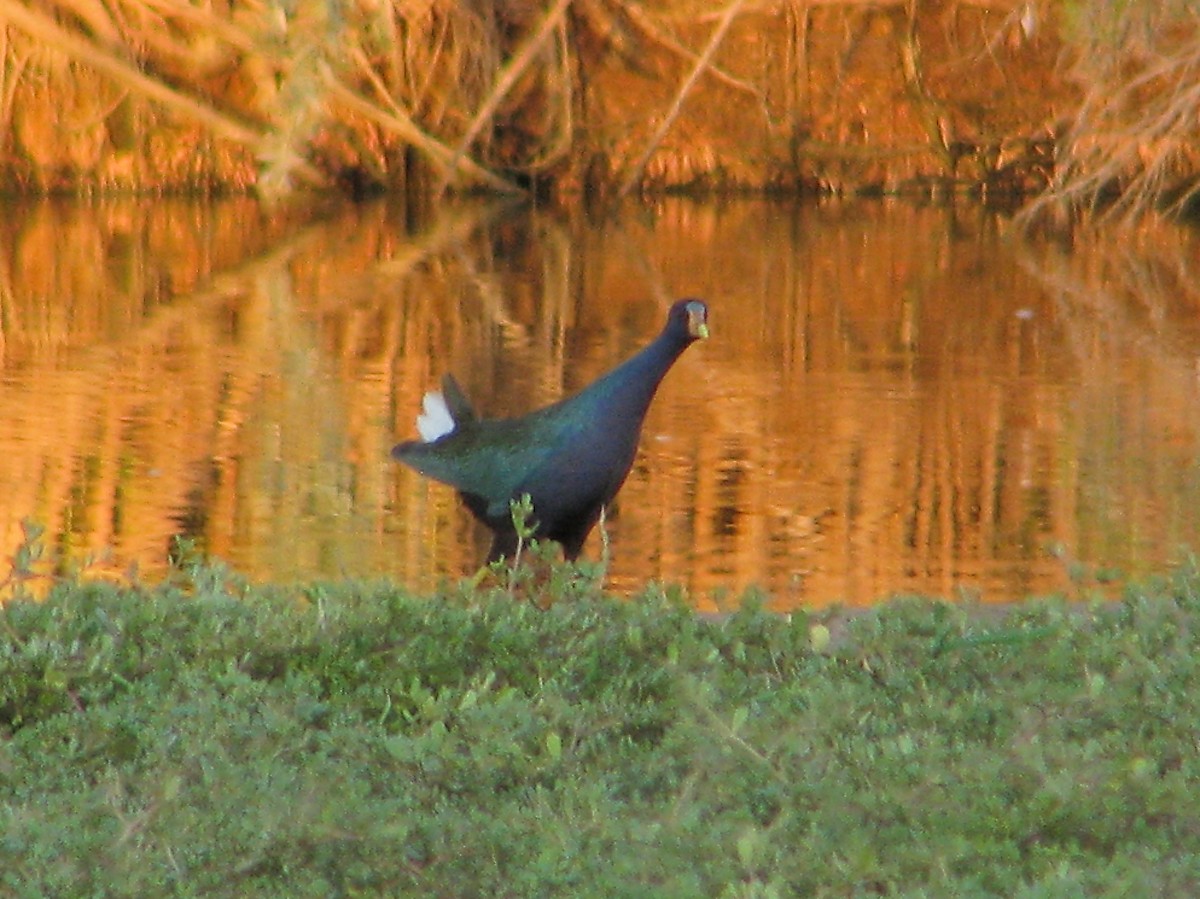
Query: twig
[
  {"x": 561, "y": 146},
  {"x": 508, "y": 78},
  {"x": 702, "y": 63},
  {"x": 1133, "y": 131},
  {"x": 399, "y": 122},
  {"x": 44, "y": 29},
  {"x": 220, "y": 26},
  {"x": 640, "y": 17},
  {"x": 605, "y": 549}
]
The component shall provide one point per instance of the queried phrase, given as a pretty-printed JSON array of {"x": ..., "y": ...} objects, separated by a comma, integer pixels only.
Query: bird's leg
[
  {"x": 504, "y": 548},
  {"x": 603, "y": 537}
]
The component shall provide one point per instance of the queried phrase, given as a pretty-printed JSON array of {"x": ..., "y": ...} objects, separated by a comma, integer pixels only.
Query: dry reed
[
  {"x": 1131, "y": 145},
  {"x": 568, "y": 93}
]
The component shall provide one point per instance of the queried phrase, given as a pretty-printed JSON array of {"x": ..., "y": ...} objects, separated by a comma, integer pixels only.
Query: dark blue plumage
[{"x": 571, "y": 457}]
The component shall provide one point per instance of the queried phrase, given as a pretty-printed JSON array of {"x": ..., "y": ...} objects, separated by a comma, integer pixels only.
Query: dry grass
[
  {"x": 306, "y": 92},
  {"x": 1131, "y": 145},
  {"x": 203, "y": 94}
]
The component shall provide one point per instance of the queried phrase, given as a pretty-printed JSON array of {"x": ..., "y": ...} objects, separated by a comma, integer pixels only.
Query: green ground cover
[{"x": 207, "y": 738}]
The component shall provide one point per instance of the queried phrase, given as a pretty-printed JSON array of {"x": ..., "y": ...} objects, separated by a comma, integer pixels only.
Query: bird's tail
[
  {"x": 444, "y": 410},
  {"x": 435, "y": 419}
]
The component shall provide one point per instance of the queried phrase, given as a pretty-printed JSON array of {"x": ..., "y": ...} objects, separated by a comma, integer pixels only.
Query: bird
[{"x": 570, "y": 458}]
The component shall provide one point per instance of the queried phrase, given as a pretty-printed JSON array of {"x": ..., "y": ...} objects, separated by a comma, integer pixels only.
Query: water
[{"x": 895, "y": 399}]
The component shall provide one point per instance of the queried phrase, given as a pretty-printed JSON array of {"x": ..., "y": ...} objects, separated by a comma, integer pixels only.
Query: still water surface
[{"x": 895, "y": 398}]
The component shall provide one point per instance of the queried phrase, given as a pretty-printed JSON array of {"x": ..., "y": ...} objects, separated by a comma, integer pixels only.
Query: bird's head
[{"x": 691, "y": 316}]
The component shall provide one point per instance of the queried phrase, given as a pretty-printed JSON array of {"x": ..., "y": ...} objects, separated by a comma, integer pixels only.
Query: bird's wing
[{"x": 490, "y": 458}]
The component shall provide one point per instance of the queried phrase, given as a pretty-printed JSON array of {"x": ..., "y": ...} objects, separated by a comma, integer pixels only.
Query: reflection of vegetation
[
  {"x": 161, "y": 356},
  {"x": 205, "y": 738},
  {"x": 1127, "y": 307},
  {"x": 774, "y": 461}
]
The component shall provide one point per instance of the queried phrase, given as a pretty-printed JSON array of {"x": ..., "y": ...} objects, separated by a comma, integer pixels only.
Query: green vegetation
[{"x": 204, "y": 737}]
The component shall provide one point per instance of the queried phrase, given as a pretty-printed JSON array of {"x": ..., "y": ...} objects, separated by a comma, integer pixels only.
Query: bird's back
[{"x": 570, "y": 452}]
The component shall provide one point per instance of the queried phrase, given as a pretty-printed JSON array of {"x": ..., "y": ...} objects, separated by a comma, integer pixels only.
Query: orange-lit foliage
[{"x": 179, "y": 95}]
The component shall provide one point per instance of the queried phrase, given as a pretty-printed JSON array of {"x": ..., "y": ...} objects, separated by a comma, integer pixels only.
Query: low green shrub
[{"x": 209, "y": 738}]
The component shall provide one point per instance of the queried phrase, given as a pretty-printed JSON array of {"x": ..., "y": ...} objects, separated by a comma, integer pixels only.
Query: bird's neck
[{"x": 634, "y": 382}]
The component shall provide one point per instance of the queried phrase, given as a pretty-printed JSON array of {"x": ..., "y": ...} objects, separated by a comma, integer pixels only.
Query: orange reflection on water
[{"x": 895, "y": 399}]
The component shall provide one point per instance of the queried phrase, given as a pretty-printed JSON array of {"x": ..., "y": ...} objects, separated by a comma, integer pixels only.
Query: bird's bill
[{"x": 698, "y": 321}]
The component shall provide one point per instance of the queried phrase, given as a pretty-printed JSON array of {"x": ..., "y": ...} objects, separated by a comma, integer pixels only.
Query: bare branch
[
  {"x": 401, "y": 123},
  {"x": 511, "y": 72},
  {"x": 43, "y": 28},
  {"x": 702, "y": 63}
]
